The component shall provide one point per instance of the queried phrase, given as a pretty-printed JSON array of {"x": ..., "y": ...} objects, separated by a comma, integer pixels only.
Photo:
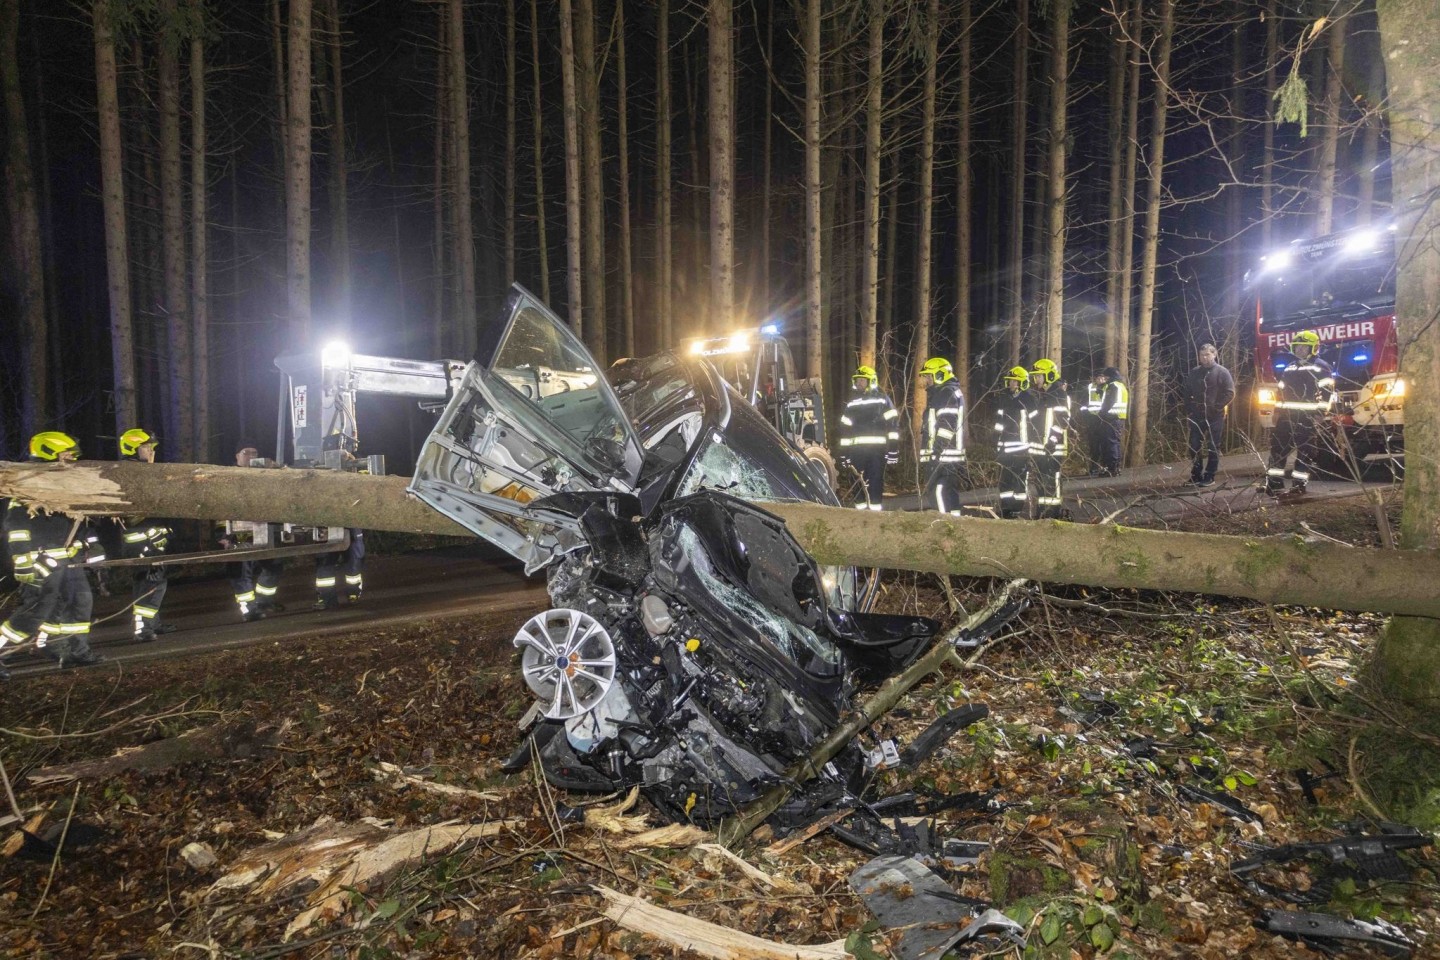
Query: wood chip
[
  {"x": 673, "y": 835},
  {"x": 707, "y": 939},
  {"x": 383, "y": 770},
  {"x": 800, "y": 836}
]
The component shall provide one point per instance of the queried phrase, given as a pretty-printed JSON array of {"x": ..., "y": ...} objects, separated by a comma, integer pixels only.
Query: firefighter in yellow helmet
[
  {"x": 942, "y": 437},
  {"x": 1307, "y": 396},
  {"x": 1051, "y": 441},
  {"x": 869, "y": 434},
  {"x": 144, "y": 537},
  {"x": 1015, "y": 415},
  {"x": 48, "y": 552}
]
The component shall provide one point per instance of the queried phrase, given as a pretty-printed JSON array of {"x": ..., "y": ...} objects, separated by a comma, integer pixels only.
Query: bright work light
[{"x": 335, "y": 354}]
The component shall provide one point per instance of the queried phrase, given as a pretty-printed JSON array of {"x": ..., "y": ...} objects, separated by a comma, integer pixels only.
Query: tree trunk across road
[{"x": 1282, "y": 569}]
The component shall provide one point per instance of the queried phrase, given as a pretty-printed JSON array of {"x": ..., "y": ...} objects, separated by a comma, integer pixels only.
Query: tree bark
[
  {"x": 511, "y": 151},
  {"x": 924, "y": 258},
  {"x": 1406, "y": 666},
  {"x": 1119, "y": 75},
  {"x": 297, "y": 174},
  {"x": 1267, "y": 149},
  {"x": 339, "y": 176},
  {"x": 1334, "y": 111},
  {"x": 874, "y": 107},
  {"x": 112, "y": 193},
  {"x": 592, "y": 168},
  {"x": 1019, "y": 122},
  {"x": 622, "y": 123},
  {"x": 763, "y": 284},
  {"x": 460, "y": 174},
  {"x": 437, "y": 213},
  {"x": 814, "y": 314},
  {"x": 537, "y": 118},
  {"x": 1055, "y": 192},
  {"x": 1140, "y": 408},
  {"x": 664, "y": 256},
  {"x": 574, "y": 268},
  {"x": 964, "y": 212},
  {"x": 179, "y": 414},
  {"x": 1369, "y": 153},
  {"x": 1271, "y": 570},
  {"x": 722, "y": 164},
  {"x": 27, "y": 261},
  {"x": 199, "y": 238}
]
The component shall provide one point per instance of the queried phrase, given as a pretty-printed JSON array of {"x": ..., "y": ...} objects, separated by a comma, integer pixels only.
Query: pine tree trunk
[
  {"x": 1227, "y": 333},
  {"x": 1369, "y": 153},
  {"x": 199, "y": 238},
  {"x": 885, "y": 323},
  {"x": 180, "y": 414},
  {"x": 1333, "y": 116},
  {"x": 282, "y": 97},
  {"x": 27, "y": 261},
  {"x": 592, "y": 169},
  {"x": 537, "y": 117},
  {"x": 1280, "y": 569},
  {"x": 574, "y": 267},
  {"x": 1140, "y": 407},
  {"x": 1019, "y": 123},
  {"x": 1119, "y": 74},
  {"x": 874, "y": 107},
  {"x": 664, "y": 256},
  {"x": 1055, "y": 192},
  {"x": 722, "y": 162},
  {"x": 439, "y": 174},
  {"x": 511, "y": 152},
  {"x": 460, "y": 173},
  {"x": 814, "y": 316},
  {"x": 924, "y": 258},
  {"x": 964, "y": 212},
  {"x": 297, "y": 174},
  {"x": 1406, "y": 666},
  {"x": 627, "y": 275},
  {"x": 339, "y": 175},
  {"x": 763, "y": 285},
  {"x": 1127, "y": 192},
  {"x": 112, "y": 194},
  {"x": 1267, "y": 162}
]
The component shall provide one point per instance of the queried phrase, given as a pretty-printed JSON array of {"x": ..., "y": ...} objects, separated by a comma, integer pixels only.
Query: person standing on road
[
  {"x": 942, "y": 439},
  {"x": 254, "y": 582},
  {"x": 1014, "y": 425},
  {"x": 1307, "y": 395},
  {"x": 48, "y": 552},
  {"x": 869, "y": 434},
  {"x": 1051, "y": 442},
  {"x": 145, "y": 537},
  {"x": 1114, "y": 410},
  {"x": 1208, "y": 389}
]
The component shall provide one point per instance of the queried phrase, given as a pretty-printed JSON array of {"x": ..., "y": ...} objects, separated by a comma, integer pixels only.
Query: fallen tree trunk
[{"x": 1281, "y": 569}]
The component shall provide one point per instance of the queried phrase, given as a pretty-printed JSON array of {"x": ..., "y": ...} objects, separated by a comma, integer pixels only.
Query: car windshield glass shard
[{"x": 547, "y": 367}]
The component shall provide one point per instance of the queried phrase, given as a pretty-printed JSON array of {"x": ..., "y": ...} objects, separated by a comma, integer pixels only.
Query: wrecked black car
[{"x": 693, "y": 648}]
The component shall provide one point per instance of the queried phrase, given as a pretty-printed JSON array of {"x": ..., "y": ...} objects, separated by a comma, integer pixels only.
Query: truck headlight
[{"x": 1265, "y": 397}]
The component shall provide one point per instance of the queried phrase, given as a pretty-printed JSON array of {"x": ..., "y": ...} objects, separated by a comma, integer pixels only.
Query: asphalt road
[{"x": 399, "y": 589}]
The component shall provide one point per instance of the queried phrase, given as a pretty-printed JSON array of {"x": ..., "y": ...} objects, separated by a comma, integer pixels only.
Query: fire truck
[{"x": 1342, "y": 286}]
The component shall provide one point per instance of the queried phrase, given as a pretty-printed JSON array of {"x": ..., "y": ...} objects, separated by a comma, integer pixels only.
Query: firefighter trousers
[
  {"x": 870, "y": 464},
  {"x": 254, "y": 583},
  {"x": 1014, "y": 470},
  {"x": 1297, "y": 432},
  {"x": 350, "y": 562},
  {"x": 147, "y": 593},
  {"x": 1112, "y": 431},
  {"x": 942, "y": 487},
  {"x": 1048, "y": 493}
]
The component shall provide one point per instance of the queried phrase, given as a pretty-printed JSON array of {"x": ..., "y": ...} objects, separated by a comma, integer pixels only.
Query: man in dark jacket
[{"x": 1209, "y": 388}]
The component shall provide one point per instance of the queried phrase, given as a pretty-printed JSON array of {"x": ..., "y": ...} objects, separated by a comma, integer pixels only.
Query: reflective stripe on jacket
[{"x": 943, "y": 435}]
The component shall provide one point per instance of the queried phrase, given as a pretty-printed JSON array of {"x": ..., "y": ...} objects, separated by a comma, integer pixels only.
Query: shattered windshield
[{"x": 749, "y": 460}]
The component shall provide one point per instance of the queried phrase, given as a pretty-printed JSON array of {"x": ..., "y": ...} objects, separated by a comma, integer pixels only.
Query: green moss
[{"x": 1255, "y": 560}]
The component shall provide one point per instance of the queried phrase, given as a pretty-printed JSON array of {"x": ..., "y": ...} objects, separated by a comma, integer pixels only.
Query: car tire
[{"x": 820, "y": 456}]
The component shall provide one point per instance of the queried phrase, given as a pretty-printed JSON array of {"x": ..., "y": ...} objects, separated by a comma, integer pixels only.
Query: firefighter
[
  {"x": 48, "y": 552},
  {"x": 1307, "y": 395},
  {"x": 1050, "y": 442},
  {"x": 331, "y": 567},
  {"x": 1090, "y": 426},
  {"x": 1014, "y": 424},
  {"x": 869, "y": 434},
  {"x": 1112, "y": 413},
  {"x": 254, "y": 582},
  {"x": 145, "y": 538},
  {"x": 942, "y": 443}
]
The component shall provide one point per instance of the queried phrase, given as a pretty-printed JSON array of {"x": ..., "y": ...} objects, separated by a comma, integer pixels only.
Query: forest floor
[{"x": 1097, "y": 851}]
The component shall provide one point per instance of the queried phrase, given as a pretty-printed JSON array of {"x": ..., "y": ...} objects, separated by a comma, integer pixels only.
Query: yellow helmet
[
  {"x": 133, "y": 439},
  {"x": 49, "y": 444},
  {"x": 1306, "y": 337},
  {"x": 1020, "y": 375},
  {"x": 867, "y": 372},
  {"x": 1046, "y": 370},
  {"x": 939, "y": 368}
]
